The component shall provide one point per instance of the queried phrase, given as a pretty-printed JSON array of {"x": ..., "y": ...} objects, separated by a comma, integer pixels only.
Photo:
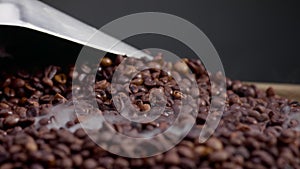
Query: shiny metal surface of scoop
[{"x": 38, "y": 16}]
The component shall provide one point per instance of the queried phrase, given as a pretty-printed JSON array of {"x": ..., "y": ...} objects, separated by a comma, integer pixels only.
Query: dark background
[{"x": 256, "y": 40}]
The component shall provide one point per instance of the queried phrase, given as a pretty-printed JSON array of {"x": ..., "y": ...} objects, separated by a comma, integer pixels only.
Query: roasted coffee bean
[
  {"x": 36, "y": 166},
  {"x": 145, "y": 107},
  {"x": 32, "y": 111},
  {"x": 121, "y": 163},
  {"x": 218, "y": 156},
  {"x": 80, "y": 133},
  {"x": 11, "y": 121},
  {"x": 77, "y": 160},
  {"x": 255, "y": 131},
  {"x": 106, "y": 62},
  {"x": 181, "y": 67},
  {"x": 47, "y": 81},
  {"x": 17, "y": 83},
  {"x": 31, "y": 145},
  {"x": 89, "y": 163},
  {"x": 215, "y": 144},
  {"x": 7, "y": 166},
  {"x": 9, "y": 92},
  {"x": 270, "y": 92},
  {"x": 6, "y": 82},
  {"x": 4, "y": 105},
  {"x": 171, "y": 158},
  {"x": 185, "y": 152},
  {"x": 60, "y": 78},
  {"x": 26, "y": 122},
  {"x": 44, "y": 121},
  {"x": 137, "y": 81},
  {"x": 178, "y": 94},
  {"x": 187, "y": 163},
  {"x": 264, "y": 156}
]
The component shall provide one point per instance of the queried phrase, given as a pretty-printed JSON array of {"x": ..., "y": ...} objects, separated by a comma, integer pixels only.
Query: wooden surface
[{"x": 291, "y": 91}]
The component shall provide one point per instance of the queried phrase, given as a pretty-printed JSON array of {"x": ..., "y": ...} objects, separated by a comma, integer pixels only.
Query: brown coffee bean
[
  {"x": 181, "y": 67},
  {"x": 6, "y": 82},
  {"x": 36, "y": 166},
  {"x": 136, "y": 162},
  {"x": 15, "y": 149},
  {"x": 203, "y": 151},
  {"x": 44, "y": 121},
  {"x": 77, "y": 160},
  {"x": 218, "y": 156},
  {"x": 18, "y": 83},
  {"x": 89, "y": 163},
  {"x": 70, "y": 124},
  {"x": 185, "y": 152},
  {"x": 80, "y": 133},
  {"x": 9, "y": 92},
  {"x": 254, "y": 114},
  {"x": 137, "y": 81},
  {"x": 149, "y": 82},
  {"x": 11, "y": 121},
  {"x": 29, "y": 87},
  {"x": 60, "y": 78},
  {"x": 4, "y": 105},
  {"x": 215, "y": 144},
  {"x": 7, "y": 166},
  {"x": 178, "y": 94},
  {"x": 26, "y": 122},
  {"x": 106, "y": 62},
  {"x": 47, "y": 81},
  {"x": 187, "y": 163},
  {"x": 264, "y": 156},
  {"x": 145, "y": 107},
  {"x": 121, "y": 163},
  {"x": 106, "y": 162},
  {"x": 270, "y": 92},
  {"x": 32, "y": 111},
  {"x": 31, "y": 144},
  {"x": 66, "y": 163}
]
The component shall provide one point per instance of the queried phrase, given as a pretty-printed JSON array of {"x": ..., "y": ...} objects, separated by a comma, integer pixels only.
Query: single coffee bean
[
  {"x": 270, "y": 92},
  {"x": 60, "y": 78},
  {"x": 106, "y": 62},
  {"x": 18, "y": 83},
  {"x": 9, "y": 92},
  {"x": 218, "y": 156},
  {"x": 172, "y": 158},
  {"x": 4, "y": 105},
  {"x": 47, "y": 81},
  {"x": 77, "y": 160},
  {"x": 36, "y": 166},
  {"x": 145, "y": 107},
  {"x": 137, "y": 81},
  {"x": 181, "y": 67},
  {"x": 89, "y": 163},
  {"x": 44, "y": 121},
  {"x": 11, "y": 121},
  {"x": 215, "y": 144},
  {"x": 121, "y": 163},
  {"x": 185, "y": 152},
  {"x": 178, "y": 94}
]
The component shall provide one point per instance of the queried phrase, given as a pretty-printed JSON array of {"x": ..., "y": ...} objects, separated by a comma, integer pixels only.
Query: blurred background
[{"x": 256, "y": 40}]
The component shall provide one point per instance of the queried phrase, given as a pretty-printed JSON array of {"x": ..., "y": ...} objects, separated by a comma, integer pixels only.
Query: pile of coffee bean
[{"x": 257, "y": 129}]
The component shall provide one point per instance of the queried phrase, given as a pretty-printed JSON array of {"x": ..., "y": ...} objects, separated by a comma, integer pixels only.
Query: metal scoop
[{"x": 38, "y": 16}]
